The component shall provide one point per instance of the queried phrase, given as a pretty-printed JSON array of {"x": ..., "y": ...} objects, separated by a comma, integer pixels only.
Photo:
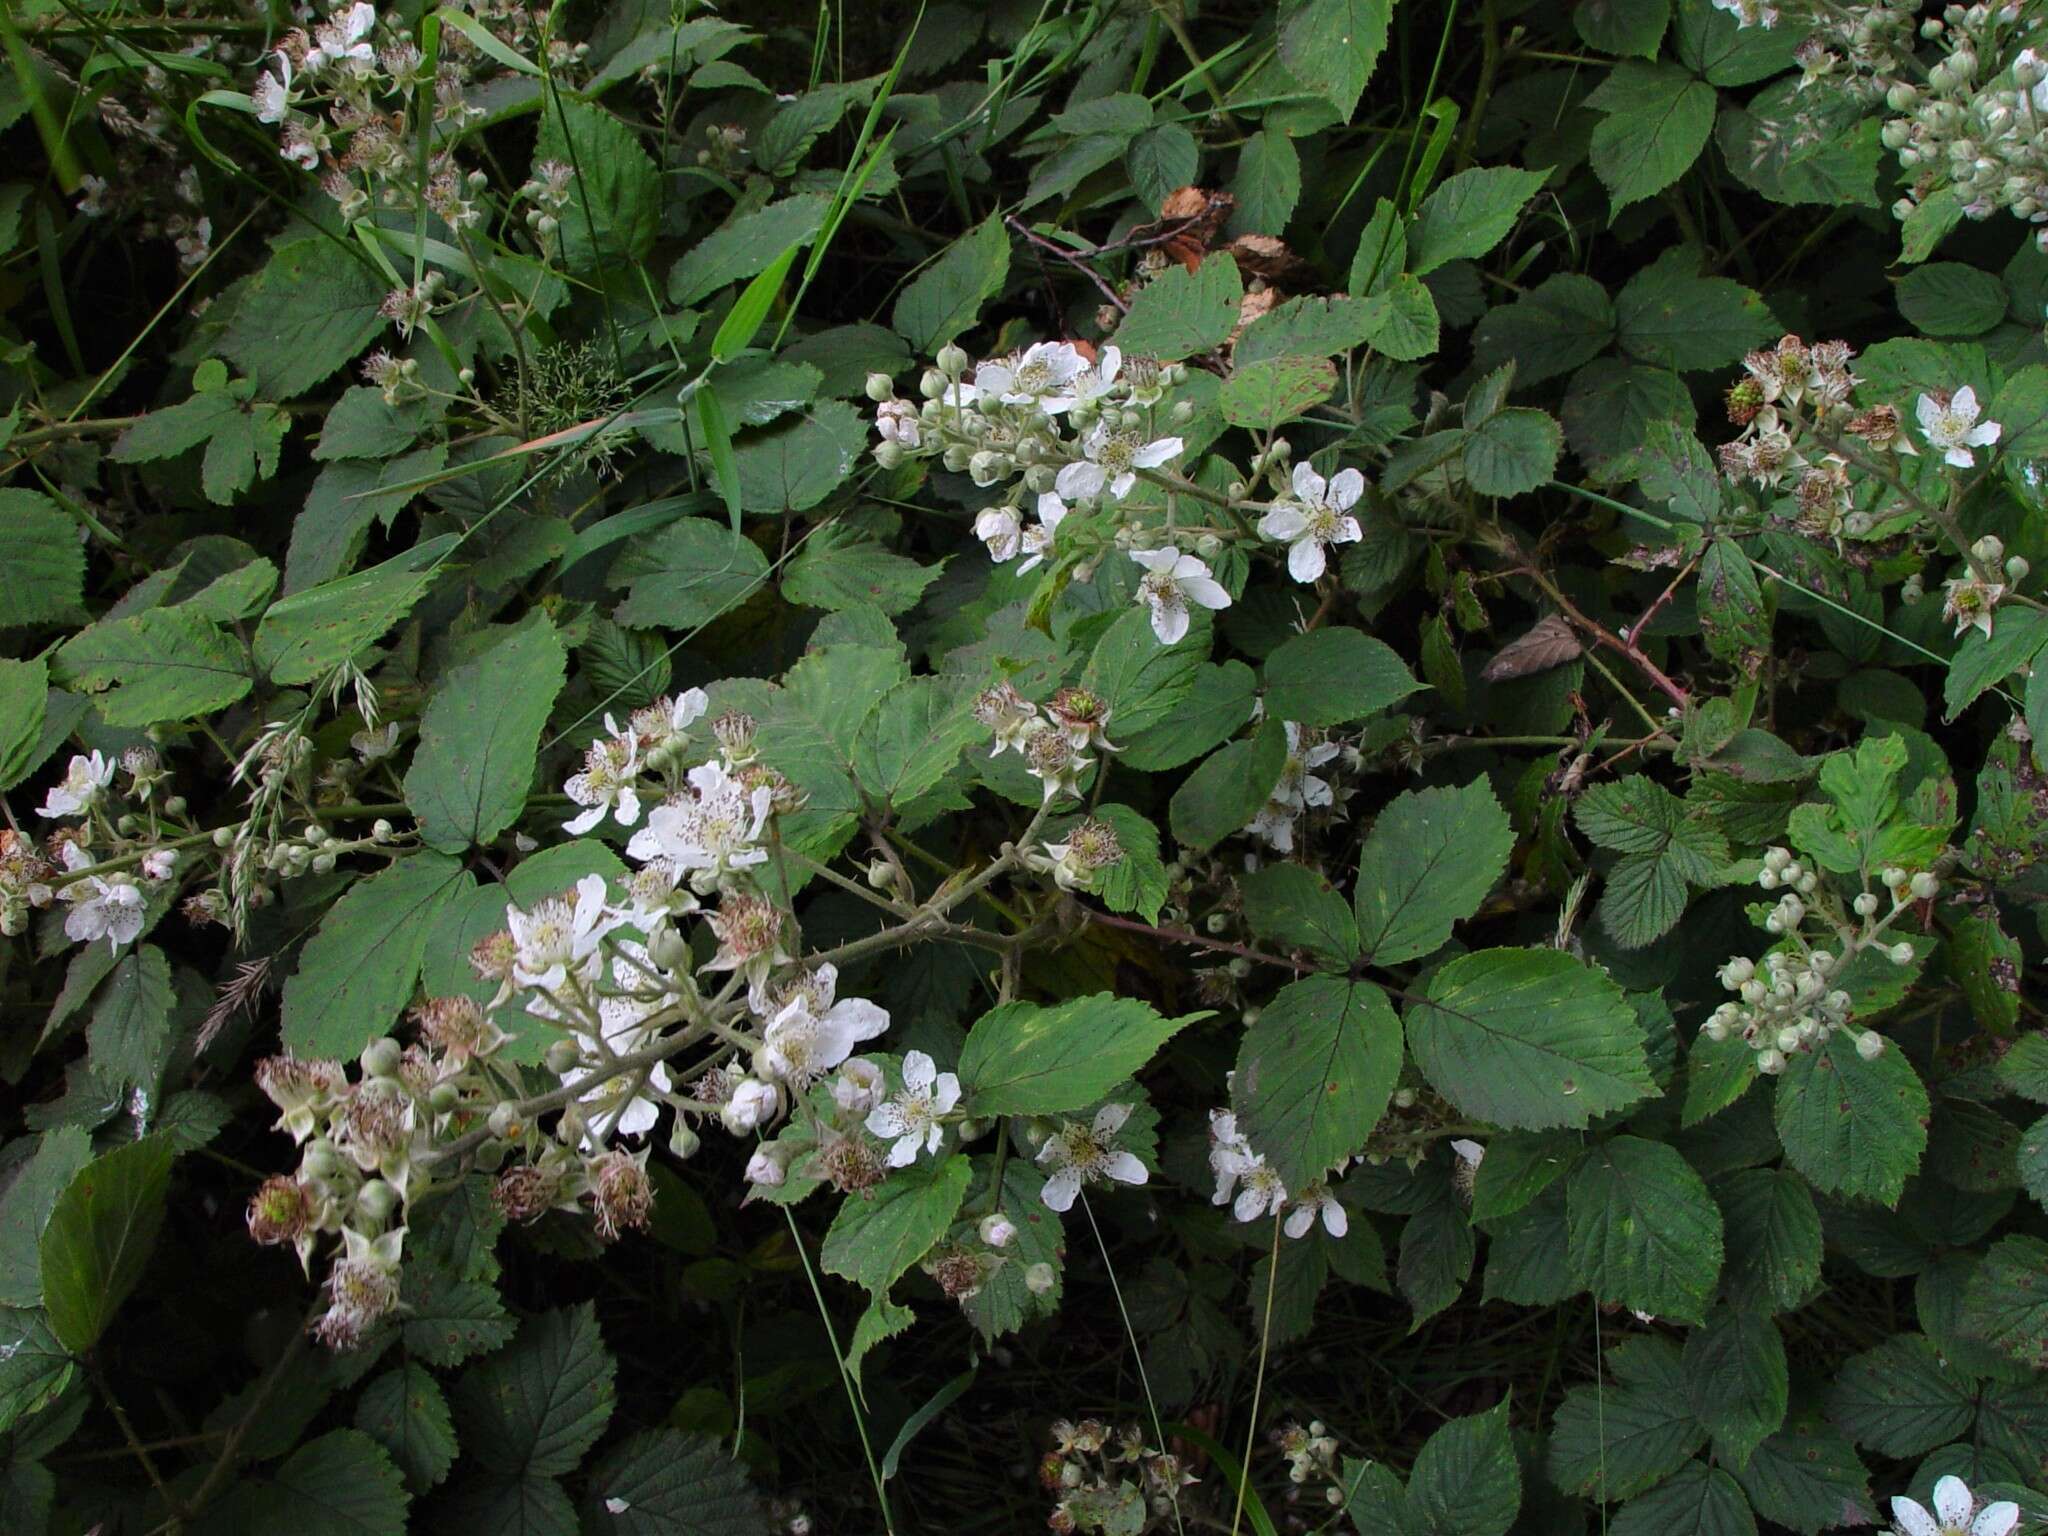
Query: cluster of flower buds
[
  {"x": 1253, "y": 1189},
  {"x": 1091, "y": 1468},
  {"x": 1970, "y": 600},
  {"x": 1975, "y": 123},
  {"x": 1311, "y": 1456},
  {"x": 1793, "y": 1002}
]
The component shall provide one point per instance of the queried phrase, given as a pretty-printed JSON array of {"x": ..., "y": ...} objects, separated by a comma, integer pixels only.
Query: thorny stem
[
  {"x": 1608, "y": 638},
  {"x": 1183, "y": 936}
]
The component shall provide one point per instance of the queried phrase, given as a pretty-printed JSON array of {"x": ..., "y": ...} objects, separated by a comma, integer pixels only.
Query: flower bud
[
  {"x": 953, "y": 360},
  {"x": 997, "y": 1230},
  {"x": 563, "y": 1056},
  {"x": 1039, "y": 1279},
  {"x": 1902, "y": 953},
  {"x": 1866, "y": 905},
  {"x": 1926, "y": 885},
  {"x": 766, "y": 1168},
  {"x": 381, "y": 1058},
  {"x": 506, "y": 1122},
  {"x": 880, "y": 387},
  {"x": 683, "y": 1142},
  {"x": 377, "y": 1200},
  {"x": 1870, "y": 1045},
  {"x": 2016, "y": 569}
]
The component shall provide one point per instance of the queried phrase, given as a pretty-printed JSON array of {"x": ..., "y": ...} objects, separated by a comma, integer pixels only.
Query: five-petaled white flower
[
  {"x": 1171, "y": 581},
  {"x": 629, "y": 1103},
  {"x": 710, "y": 832},
  {"x": 83, "y": 782},
  {"x": 104, "y": 909},
  {"x": 1950, "y": 424},
  {"x": 1088, "y": 1154},
  {"x": 345, "y": 38},
  {"x": 1316, "y": 1200},
  {"x": 1043, "y": 375},
  {"x": 1319, "y": 516},
  {"x": 811, "y": 1033},
  {"x": 910, "y": 1119},
  {"x": 1002, "y": 530},
  {"x": 1953, "y": 1507},
  {"x": 1115, "y": 455},
  {"x": 273, "y": 92},
  {"x": 559, "y": 935},
  {"x": 609, "y": 782}
]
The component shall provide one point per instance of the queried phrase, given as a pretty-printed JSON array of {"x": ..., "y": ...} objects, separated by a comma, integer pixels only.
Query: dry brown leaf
[{"x": 1550, "y": 642}]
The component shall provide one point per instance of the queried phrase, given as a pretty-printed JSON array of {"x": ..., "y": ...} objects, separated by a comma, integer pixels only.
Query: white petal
[
  {"x": 1308, "y": 485},
  {"x": 1345, "y": 489},
  {"x": 1110, "y": 1118},
  {"x": 1060, "y": 1189},
  {"x": 861, "y": 1019},
  {"x": 945, "y": 1093},
  {"x": 1983, "y": 435},
  {"x": 1336, "y": 1220},
  {"x": 1952, "y": 1501},
  {"x": 919, "y": 1071},
  {"x": 1961, "y": 457},
  {"x": 1156, "y": 559},
  {"x": 1123, "y": 484},
  {"x": 1154, "y": 454},
  {"x": 1125, "y": 1168},
  {"x": 1929, "y": 413},
  {"x": 1912, "y": 1519},
  {"x": 1169, "y": 624},
  {"x": 1299, "y": 1220},
  {"x": 904, "y": 1152},
  {"x": 1347, "y": 531},
  {"x": 1080, "y": 481},
  {"x": 1283, "y": 523},
  {"x": 1306, "y": 561},
  {"x": 1964, "y": 402},
  {"x": 886, "y": 1120},
  {"x": 1997, "y": 1519},
  {"x": 1210, "y": 594},
  {"x": 583, "y": 823}
]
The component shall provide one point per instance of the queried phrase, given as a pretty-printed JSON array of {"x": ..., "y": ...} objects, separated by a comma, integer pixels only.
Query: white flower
[
  {"x": 1088, "y": 1154},
  {"x": 1172, "y": 580},
  {"x": 1092, "y": 385},
  {"x": 1316, "y": 1200},
  {"x": 896, "y": 421},
  {"x": 158, "y": 863},
  {"x": 1298, "y": 787},
  {"x": 559, "y": 935},
  {"x": 1470, "y": 1153},
  {"x": 1262, "y": 1195},
  {"x": 859, "y": 1086},
  {"x": 1002, "y": 531},
  {"x": 1953, "y": 1505},
  {"x": 103, "y": 909},
  {"x": 1319, "y": 517},
  {"x": 1951, "y": 425},
  {"x": 1230, "y": 1156},
  {"x": 765, "y": 1169},
  {"x": 84, "y": 781},
  {"x": 808, "y": 1038},
  {"x": 345, "y": 37},
  {"x": 709, "y": 832},
  {"x": 379, "y": 743},
  {"x": 911, "y": 1117},
  {"x": 1043, "y": 375},
  {"x": 1114, "y": 457},
  {"x": 1971, "y": 603},
  {"x": 753, "y": 1104},
  {"x": 273, "y": 92},
  {"x": 609, "y": 782}
]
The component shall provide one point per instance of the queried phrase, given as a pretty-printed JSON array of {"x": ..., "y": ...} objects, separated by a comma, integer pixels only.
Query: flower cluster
[
  {"x": 1109, "y": 1480},
  {"x": 1311, "y": 1456},
  {"x": 1073, "y": 721},
  {"x": 1253, "y": 1190},
  {"x": 1794, "y": 1002},
  {"x": 1298, "y": 790},
  {"x": 1967, "y": 123},
  {"x": 1793, "y": 405}
]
